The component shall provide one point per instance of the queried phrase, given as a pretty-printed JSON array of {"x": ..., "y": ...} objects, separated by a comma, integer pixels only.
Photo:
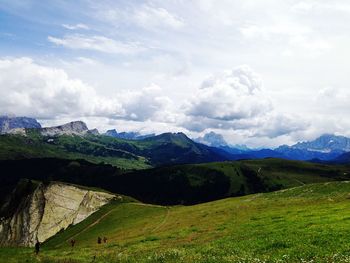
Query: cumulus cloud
[
  {"x": 148, "y": 104},
  {"x": 30, "y": 89},
  {"x": 236, "y": 101},
  {"x": 233, "y": 101},
  {"x": 235, "y": 95},
  {"x": 27, "y": 88},
  {"x": 76, "y": 26},
  {"x": 96, "y": 43}
]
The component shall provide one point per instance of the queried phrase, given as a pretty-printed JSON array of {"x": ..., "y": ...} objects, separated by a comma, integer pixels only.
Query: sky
[{"x": 261, "y": 73}]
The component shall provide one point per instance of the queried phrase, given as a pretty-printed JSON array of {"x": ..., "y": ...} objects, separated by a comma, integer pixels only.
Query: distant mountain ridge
[
  {"x": 127, "y": 135},
  {"x": 10, "y": 123},
  {"x": 177, "y": 147},
  {"x": 325, "y": 147},
  {"x": 325, "y": 143},
  {"x": 75, "y": 141}
]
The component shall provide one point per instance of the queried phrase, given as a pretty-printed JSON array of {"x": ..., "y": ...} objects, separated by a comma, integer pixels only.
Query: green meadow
[{"x": 310, "y": 223}]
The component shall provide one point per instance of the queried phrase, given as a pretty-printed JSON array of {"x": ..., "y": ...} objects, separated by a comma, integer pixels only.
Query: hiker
[
  {"x": 72, "y": 242},
  {"x": 104, "y": 240},
  {"x": 99, "y": 240},
  {"x": 37, "y": 247}
]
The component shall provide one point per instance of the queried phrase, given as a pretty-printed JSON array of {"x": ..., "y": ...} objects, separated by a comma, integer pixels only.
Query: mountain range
[
  {"x": 75, "y": 141},
  {"x": 324, "y": 148},
  {"x": 131, "y": 149},
  {"x": 69, "y": 179}
]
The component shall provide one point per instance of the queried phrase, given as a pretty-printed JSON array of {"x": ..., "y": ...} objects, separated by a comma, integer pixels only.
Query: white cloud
[
  {"x": 27, "y": 88},
  {"x": 30, "y": 89},
  {"x": 144, "y": 16},
  {"x": 275, "y": 124},
  {"x": 232, "y": 102},
  {"x": 148, "y": 104},
  {"x": 269, "y": 32},
  {"x": 235, "y": 95},
  {"x": 96, "y": 43},
  {"x": 303, "y": 6},
  {"x": 236, "y": 101},
  {"x": 76, "y": 26},
  {"x": 152, "y": 17},
  {"x": 333, "y": 100},
  {"x": 313, "y": 5}
]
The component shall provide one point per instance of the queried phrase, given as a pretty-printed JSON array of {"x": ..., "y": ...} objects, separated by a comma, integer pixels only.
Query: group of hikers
[{"x": 72, "y": 243}]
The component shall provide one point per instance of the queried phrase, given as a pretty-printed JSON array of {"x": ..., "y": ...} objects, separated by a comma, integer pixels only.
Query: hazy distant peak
[
  {"x": 8, "y": 123},
  {"x": 212, "y": 139},
  {"x": 326, "y": 142}
]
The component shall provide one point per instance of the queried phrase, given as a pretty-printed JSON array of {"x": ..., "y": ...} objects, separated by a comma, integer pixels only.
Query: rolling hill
[
  {"x": 132, "y": 151},
  {"x": 164, "y": 149},
  {"x": 302, "y": 224},
  {"x": 178, "y": 184}
]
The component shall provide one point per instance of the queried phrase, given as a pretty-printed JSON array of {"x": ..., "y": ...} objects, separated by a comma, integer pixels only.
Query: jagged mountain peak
[
  {"x": 212, "y": 139},
  {"x": 326, "y": 142},
  {"x": 112, "y": 133}
]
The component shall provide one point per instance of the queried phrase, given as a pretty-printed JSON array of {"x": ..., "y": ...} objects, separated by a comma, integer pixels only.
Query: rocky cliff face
[
  {"x": 47, "y": 210},
  {"x": 71, "y": 128},
  {"x": 10, "y": 123}
]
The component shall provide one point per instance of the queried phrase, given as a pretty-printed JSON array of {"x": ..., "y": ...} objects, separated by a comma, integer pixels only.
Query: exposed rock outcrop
[
  {"x": 94, "y": 132},
  {"x": 8, "y": 124},
  {"x": 71, "y": 128},
  {"x": 47, "y": 210}
]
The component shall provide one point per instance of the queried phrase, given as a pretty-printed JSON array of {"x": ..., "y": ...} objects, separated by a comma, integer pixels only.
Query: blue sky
[{"x": 260, "y": 73}]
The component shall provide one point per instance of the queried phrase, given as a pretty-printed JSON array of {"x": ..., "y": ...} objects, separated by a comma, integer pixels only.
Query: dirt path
[
  {"x": 142, "y": 204},
  {"x": 88, "y": 227},
  {"x": 110, "y": 211},
  {"x": 163, "y": 222},
  {"x": 301, "y": 183}
]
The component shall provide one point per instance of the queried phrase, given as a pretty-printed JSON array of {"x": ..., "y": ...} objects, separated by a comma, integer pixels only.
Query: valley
[
  {"x": 167, "y": 198},
  {"x": 302, "y": 224}
]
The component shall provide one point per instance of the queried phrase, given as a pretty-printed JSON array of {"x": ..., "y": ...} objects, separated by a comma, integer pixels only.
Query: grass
[
  {"x": 198, "y": 183},
  {"x": 310, "y": 223},
  {"x": 68, "y": 147},
  {"x": 159, "y": 150}
]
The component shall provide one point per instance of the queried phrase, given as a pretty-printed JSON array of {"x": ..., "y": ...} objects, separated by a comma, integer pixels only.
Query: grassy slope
[
  {"x": 195, "y": 183},
  {"x": 310, "y": 222},
  {"x": 155, "y": 151},
  {"x": 294, "y": 173},
  {"x": 180, "y": 184},
  {"x": 282, "y": 173},
  {"x": 68, "y": 147}
]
